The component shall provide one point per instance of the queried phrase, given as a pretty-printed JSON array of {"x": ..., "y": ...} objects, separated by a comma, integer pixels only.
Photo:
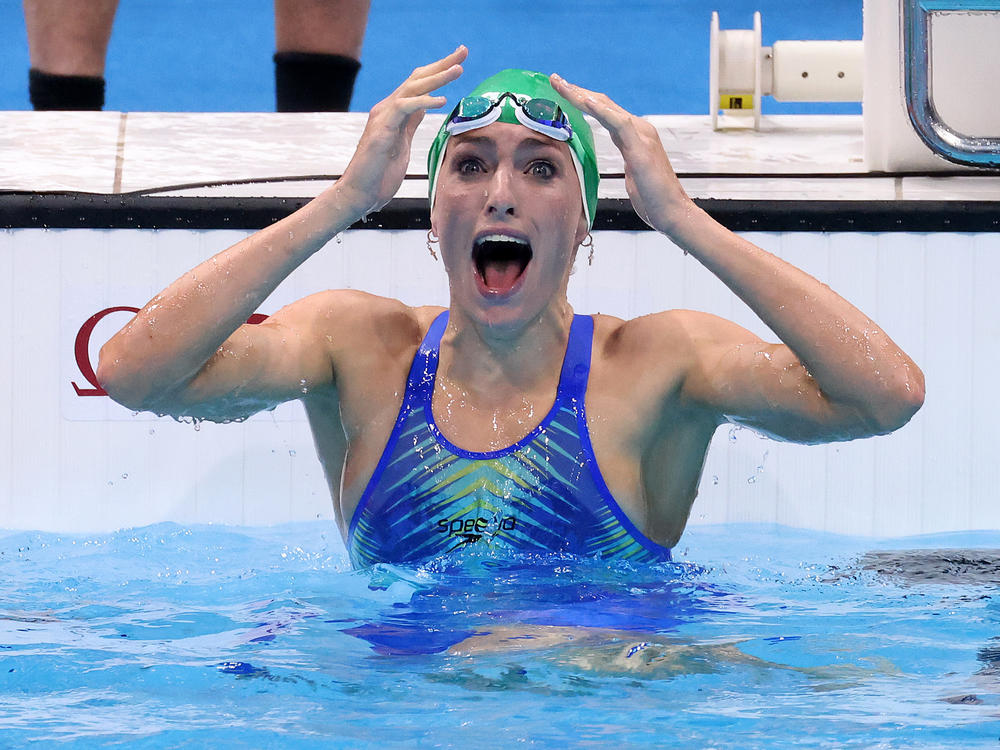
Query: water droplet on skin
[
  {"x": 291, "y": 235},
  {"x": 339, "y": 239}
]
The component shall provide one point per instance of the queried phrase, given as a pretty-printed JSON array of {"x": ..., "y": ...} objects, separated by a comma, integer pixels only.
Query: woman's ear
[
  {"x": 434, "y": 225},
  {"x": 582, "y": 229}
]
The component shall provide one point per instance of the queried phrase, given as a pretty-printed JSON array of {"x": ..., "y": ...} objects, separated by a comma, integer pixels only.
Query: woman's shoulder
[
  {"x": 671, "y": 337},
  {"x": 350, "y": 319}
]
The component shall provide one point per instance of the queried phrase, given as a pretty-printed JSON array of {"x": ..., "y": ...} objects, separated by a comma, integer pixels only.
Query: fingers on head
[
  {"x": 601, "y": 106},
  {"x": 622, "y": 125},
  {"x": 397, "y": 110},
  {"x": 576, "y": 94},
  {"x": 440, "y": 65},
  {"x": 412, "y": 104},
  {"x": 405, "y": 106},
  {"x": 423, "y": 84},
  {"x": 559, "y": 83},
  {"x": 605, "y": 106}
]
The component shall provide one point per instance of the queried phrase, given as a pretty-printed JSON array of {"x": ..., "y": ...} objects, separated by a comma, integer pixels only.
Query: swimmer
[
  {"x": 508, "y": 421},
  {"x": 656, "y": 656}
]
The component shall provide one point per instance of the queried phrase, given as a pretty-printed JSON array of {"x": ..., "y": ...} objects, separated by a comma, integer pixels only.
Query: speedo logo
[{"x": 473, "y": 526}]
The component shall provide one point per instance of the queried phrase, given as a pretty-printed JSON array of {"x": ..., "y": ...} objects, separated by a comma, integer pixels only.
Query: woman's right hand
[{"x": 379, "y": 164}]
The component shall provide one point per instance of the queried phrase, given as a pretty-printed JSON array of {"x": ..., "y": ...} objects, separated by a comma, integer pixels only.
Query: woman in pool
[{"x": 507, "y": 421}]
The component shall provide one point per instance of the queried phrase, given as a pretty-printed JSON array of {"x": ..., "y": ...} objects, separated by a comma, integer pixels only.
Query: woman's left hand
[{"x": 655, "y": 191}]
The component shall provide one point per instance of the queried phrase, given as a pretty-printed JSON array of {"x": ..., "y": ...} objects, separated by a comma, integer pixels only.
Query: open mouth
[{"x": 500, "y": 261}]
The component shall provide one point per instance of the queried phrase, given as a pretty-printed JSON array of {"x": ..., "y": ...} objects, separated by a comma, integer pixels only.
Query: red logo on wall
[{"x": 81, "y": 348}]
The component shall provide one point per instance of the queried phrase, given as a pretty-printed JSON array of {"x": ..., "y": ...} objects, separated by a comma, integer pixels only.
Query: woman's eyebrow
[
  {"x": 538, "y": 141},
  {"x": 469, "y": 138},
  {"x": 474, "y": 140},
  {"x": 534, "y": 141}
]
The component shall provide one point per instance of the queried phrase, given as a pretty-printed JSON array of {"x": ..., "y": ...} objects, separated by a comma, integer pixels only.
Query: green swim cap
[{"x": 535, "y": 86}]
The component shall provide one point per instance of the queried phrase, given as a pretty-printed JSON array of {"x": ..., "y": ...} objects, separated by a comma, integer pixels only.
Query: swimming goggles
[{"x": 541, "y": 115}]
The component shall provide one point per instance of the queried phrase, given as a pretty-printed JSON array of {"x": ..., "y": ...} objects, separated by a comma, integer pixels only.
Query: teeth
[{"x": 500, "y": 238}]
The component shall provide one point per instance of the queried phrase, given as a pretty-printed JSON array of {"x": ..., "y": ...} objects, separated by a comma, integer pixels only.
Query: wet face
[{"x": 509, "y": 214}]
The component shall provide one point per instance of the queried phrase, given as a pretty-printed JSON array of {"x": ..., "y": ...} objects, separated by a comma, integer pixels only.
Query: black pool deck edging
[{"x": 63, "y": 210}]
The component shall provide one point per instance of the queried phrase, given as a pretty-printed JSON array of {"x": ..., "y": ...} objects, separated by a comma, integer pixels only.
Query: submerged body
[{"x": 512, "y": 200}]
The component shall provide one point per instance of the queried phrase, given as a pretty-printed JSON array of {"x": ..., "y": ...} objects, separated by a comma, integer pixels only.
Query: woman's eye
[
  {"x": 469, "y": 166},
  {"x": 542, "y": 169}
]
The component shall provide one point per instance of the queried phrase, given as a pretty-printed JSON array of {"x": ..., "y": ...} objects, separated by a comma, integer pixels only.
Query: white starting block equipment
[{"x": 926, "y": 71}]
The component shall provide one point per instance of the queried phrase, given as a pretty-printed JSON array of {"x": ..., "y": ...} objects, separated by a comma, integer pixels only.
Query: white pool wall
[{"x": 83, "y": 463}]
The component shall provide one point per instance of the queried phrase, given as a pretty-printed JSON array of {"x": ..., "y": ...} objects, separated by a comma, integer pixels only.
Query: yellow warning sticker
[{"x": 736, "y": 101}]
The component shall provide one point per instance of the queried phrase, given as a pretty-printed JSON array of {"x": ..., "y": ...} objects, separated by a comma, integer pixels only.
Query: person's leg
[
  {"x": 68, "y": 42},
  {"x": 318, "y": 52}
]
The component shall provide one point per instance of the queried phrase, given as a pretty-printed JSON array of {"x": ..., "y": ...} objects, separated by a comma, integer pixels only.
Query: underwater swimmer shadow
[{"x": 519, "y": 605}]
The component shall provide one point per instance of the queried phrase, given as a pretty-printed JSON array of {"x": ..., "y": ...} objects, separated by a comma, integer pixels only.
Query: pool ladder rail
[{"x": 742, "y": 71}]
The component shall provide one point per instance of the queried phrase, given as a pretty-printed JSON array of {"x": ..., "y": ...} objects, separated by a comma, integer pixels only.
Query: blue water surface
[
  {"x": 755, "y": 636},
  {"x": 650, "y": 55}
]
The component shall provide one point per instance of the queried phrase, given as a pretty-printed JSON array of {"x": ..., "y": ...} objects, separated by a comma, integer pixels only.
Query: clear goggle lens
[{"x": 541, "y": 115}]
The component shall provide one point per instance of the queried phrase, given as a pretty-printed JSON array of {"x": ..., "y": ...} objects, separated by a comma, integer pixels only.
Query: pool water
[{"x": 166, "y": 636}]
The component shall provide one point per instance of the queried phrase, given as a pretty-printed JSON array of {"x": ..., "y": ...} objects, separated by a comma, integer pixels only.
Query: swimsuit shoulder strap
[
  {"x": 576, "y": 364},
  {"x": 420, "y": 383}
]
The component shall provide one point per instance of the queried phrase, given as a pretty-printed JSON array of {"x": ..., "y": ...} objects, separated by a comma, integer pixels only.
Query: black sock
[
  {"x": 52, "y": 91},
  {"x": 314, "y": 81}
]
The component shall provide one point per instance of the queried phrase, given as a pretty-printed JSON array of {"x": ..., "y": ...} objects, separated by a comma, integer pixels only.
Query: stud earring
[{"x": 431, "y": 241}]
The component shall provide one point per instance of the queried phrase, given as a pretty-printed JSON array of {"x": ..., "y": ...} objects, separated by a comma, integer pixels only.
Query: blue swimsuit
[{"x": 545, "y": 493}]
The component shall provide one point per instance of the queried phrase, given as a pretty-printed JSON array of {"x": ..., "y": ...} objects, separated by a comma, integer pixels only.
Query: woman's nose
[{"x": 500, "y": 196}]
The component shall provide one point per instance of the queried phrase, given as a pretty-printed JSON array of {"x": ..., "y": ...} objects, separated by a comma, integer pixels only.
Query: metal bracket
[{"x": 941, "y": 139}]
